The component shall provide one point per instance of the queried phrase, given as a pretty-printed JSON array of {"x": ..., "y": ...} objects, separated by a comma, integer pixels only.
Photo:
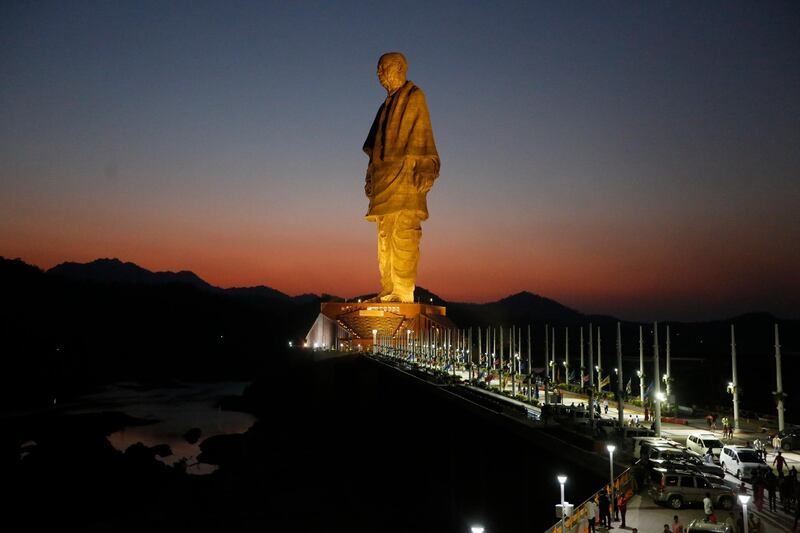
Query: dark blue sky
[{"x": 641, "y": 159}]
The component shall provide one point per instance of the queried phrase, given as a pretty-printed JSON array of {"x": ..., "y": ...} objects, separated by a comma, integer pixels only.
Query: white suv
[
  {"x": 701, "y": 442},
  {"x": 741, "y": 461}
]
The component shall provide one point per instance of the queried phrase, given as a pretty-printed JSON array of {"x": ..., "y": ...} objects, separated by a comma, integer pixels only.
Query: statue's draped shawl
[{"x": 399, "y": 145}]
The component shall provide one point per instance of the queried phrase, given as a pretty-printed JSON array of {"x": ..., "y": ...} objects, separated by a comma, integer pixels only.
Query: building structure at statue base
[{"x": 350, "y": 326}]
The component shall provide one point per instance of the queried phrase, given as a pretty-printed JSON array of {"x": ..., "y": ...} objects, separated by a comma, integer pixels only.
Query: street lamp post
[
  {"x": 743, "y": 499},
  {"x": 374, "y": 341},
  {"x": 779, "y": 378},
  {"x": 611, "y": 449},
  {"x": 656, "y": 381},
  {"x": 735, "y": 383},
  {"x": 562, "y": 481}
]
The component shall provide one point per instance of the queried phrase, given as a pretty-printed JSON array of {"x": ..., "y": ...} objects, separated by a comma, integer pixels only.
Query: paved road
[{"x": 648, "y": 516}]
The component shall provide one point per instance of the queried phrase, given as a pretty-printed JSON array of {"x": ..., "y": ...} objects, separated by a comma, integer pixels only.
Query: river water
[{"x": 174, "y": 409}]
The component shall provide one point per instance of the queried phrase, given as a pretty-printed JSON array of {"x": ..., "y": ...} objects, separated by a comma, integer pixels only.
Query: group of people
[
  {"x": 727, "y": 428},
  {"x": 603, "y": 507}
]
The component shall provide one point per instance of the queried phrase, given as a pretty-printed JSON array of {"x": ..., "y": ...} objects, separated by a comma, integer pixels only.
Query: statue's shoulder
[{"x": 414, "y": 92}]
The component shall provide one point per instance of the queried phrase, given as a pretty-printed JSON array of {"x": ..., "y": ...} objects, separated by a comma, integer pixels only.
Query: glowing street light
[
  {"x": 743, "y": 499},
  {"x": 476, "y": 529},
  {"x": 611, "y": 449},
  {"x": 562, "y": 481}
]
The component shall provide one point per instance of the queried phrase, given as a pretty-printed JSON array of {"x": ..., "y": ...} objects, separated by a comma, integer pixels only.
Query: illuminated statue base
[{"x": 349, "y": 326}]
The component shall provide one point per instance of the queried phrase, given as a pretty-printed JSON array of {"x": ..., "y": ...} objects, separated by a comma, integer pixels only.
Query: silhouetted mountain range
[{"x": 78, "y": 324}]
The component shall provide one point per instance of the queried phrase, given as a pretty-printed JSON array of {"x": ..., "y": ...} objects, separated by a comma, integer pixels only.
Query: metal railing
[{"x": 579, "y": 521}]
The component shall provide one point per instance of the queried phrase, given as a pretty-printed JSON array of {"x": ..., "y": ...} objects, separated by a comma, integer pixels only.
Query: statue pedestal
[{"x": 350, "y": 326}]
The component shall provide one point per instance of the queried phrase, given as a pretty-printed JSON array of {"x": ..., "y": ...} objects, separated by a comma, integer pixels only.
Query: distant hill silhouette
[
  {"x": 115, "y": 271},
  {"x": 79, "y": 324}
]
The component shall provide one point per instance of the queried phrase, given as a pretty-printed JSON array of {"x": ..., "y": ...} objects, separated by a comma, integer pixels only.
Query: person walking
[
  {"x": 708, "y": 507},
  {"x": 779, "y": 462},
  {"x": 758, "y": 493},
  {"x": 622, "y": 507},
  {"x": 591, "y": 514},
  {"x": 709, "y": 457},
  {"x": 771, "y": 484},
  {"x": 758, "y": 446},
  {"x": 677, "y": 526},
  {"x": 605, "y": 515},
  {"x": 796, "y": 516}
]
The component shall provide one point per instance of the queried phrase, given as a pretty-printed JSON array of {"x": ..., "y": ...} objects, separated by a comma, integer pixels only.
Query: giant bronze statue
[{"x": 403, "y": 163}]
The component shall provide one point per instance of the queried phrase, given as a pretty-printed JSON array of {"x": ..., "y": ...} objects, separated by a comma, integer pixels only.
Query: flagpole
[
  {"x": 547, "y": 351},
  {"x": 620, "y": 404},
  {"x": 530, "y": 370},
  {"x": 641, "y": 366},
  {"x": 599, "y": 363},
  {"x": 591, "y": 378},
  {"x": 669, "y": 371},
  {"x": 735, "y": 382},
  {"x": 512, "y": 357},
  {"x": 582, "y": 367},
  {"x": 566, "y": 354},
  {"x": 501, "y": 359}
]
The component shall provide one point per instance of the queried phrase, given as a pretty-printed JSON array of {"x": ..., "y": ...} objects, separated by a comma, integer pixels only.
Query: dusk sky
[{"x": 636, "y": 159}]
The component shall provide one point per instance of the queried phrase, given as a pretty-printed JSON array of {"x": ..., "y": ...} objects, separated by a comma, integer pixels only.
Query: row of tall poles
[{"x": 448, "y": 349}]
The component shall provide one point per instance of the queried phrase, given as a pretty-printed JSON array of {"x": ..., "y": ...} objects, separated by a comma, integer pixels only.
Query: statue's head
[{"x": 392, "y": 69}]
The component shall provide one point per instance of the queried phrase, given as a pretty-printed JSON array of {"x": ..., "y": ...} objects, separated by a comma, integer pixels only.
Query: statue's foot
[{"x": 379, "y": 297}]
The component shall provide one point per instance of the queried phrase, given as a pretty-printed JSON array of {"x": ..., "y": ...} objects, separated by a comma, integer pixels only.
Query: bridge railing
[{"x": 579, "y": 521}]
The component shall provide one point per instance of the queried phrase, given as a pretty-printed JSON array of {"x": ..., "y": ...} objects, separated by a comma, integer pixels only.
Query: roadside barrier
[{"x": 578, "y": 522}]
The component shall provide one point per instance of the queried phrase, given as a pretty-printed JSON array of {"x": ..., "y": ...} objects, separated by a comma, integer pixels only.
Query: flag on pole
[
  {"x": 628, "y": 387},
  {"x": 605, "y": 381},
  {"x": 585, "y": 378},
  {"x": 649, "y": 389}
]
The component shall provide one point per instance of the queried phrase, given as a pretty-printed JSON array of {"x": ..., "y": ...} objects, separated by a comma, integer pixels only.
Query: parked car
[
  {"x": 645, "y": 446},
  {"x": 674, "y": 457},
  {"x": 789, "y": 439},
  {"x": 677, "y": 488},
  {"x": 701, "y": 442},
  {"x": 695, "y": 459},
  {"x": 701, "y": 525},
  {"x": 741, "y": 461},
  {"x": 633, "y": 432}
]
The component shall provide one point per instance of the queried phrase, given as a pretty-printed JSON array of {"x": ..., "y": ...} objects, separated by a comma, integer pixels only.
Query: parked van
[
  {"x": 700, "y": 442},
  {"x": 643, "y": 445},
  {"x": 741, "y": 461}
]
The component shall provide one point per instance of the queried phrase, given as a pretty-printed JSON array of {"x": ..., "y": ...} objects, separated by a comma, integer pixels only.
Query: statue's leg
[
  {"x": 405, "y": 248},
  {"x": 385, "y": 229}
]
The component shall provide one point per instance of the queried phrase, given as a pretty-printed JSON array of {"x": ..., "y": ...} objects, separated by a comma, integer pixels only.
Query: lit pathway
[{"x": 646, "y": 515}]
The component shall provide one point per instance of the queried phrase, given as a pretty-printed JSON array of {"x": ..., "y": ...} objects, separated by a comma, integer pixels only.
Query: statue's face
[{"x": 390, "y": 75}]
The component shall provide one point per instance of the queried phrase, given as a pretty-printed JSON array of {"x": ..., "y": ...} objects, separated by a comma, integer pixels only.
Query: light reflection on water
[{"x": 177, "y": 409}]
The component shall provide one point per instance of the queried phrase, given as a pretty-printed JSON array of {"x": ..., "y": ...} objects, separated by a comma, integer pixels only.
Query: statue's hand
[{"x": 423, "y": 181}]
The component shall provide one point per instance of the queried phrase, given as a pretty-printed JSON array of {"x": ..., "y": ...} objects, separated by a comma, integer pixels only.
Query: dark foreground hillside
[{"x": 344, "y": 445}]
